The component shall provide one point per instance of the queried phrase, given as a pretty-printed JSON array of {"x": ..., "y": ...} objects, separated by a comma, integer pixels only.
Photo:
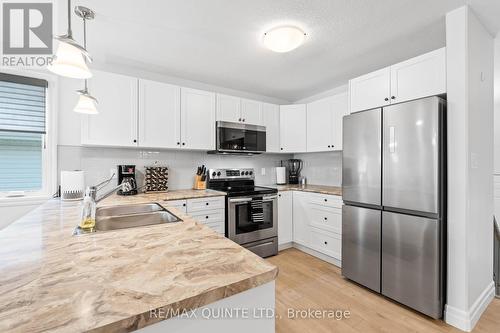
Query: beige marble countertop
[
  {"x": 109, "y": 281},
  {"x": 322, "y": 189},
  {"x": 159, "y": 197}
]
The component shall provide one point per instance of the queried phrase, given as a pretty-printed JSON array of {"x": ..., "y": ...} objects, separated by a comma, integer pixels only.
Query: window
[{"x": 22, "y": 134}]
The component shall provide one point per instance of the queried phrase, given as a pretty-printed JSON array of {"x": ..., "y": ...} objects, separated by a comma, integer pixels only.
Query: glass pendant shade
[
  {"x": 86, "y": 104},
  {"x": 70, "y": 62}
]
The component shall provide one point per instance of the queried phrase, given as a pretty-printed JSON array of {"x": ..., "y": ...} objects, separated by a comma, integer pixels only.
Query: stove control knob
[
  {"x": 218, "y": 173},
  {"x": 213, "y": 174},
  {"x": 250, "y": 173}
]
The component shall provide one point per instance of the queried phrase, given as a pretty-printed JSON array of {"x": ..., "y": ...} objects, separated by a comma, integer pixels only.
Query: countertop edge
[{"x": 144, "y": 319}]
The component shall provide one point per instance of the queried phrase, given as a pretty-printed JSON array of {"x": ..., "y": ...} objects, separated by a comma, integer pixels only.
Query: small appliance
[
  {"x": 72, "y": 185},
  {"x": 236, "y": 138},
  {"x": 294, "y": 168},
  {"x": 251, "y": 211},
  {"x": 126, "y": 173}
]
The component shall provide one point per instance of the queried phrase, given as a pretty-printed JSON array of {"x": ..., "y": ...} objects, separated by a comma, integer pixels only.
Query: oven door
[
  {"x": 246, "y": 223},
  {"x": 235, "y": 137}
]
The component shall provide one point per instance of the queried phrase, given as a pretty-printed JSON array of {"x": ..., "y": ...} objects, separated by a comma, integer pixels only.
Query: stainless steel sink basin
[{"x": 130, "y": 216}]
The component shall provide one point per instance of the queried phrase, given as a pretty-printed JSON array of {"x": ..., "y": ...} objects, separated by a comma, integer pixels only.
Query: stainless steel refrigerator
[{"x": 394, "y": 187}]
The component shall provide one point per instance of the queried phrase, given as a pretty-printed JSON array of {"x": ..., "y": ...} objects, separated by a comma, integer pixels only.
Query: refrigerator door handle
[{"x": 392, "y": 139}]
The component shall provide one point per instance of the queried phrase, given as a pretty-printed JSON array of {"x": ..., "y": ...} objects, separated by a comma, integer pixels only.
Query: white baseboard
[
  {"x": 285, "y": 246},
  {"x": 466, "y": 320},
  {"x": 318, "y": 255}
]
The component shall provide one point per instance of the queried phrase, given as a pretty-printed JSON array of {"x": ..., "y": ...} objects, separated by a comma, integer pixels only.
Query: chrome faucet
[{"x": 125, "y": 186}]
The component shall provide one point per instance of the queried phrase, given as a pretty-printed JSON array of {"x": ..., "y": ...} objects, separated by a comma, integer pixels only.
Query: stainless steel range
[{"x": 251, "y": 211}]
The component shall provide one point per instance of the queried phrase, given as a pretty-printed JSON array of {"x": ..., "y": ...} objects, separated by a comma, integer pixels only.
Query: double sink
[{"x": 130, "y": 216}]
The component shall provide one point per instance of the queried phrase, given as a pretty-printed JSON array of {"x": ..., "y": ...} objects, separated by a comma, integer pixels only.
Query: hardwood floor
[{"x": 307, "y": 282}]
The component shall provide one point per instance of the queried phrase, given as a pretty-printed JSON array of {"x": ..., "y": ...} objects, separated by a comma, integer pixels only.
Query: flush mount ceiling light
[
  {"x": 71, "y": 58},
  {"x": 86, "y": 103},
  {"x": 284, "y": 38}
]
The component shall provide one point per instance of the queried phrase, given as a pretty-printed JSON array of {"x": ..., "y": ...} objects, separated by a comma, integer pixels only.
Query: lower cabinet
[
  {"x": 317, "y": 222},
  {"x": 209, "y": 211},
  {"x": 285, "y": 217}
]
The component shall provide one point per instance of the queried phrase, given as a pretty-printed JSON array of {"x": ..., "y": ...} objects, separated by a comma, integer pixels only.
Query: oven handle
[{"x": 268, "y": 198}]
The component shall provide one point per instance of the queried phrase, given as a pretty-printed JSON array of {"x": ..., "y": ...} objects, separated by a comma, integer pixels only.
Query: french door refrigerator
[{"x": 393, "y": 187}]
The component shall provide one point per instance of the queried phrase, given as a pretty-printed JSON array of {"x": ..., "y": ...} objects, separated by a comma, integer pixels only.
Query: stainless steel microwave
[{"x": 236, "y": 138}]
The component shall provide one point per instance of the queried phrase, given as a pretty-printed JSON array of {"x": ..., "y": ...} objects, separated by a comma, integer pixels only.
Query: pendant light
[
  {"x": 86, "y": 102},
  {"x": 70, "y": 59}
]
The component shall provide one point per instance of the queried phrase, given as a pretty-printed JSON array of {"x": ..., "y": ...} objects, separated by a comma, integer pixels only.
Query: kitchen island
[{"x": 120, "y": 280}]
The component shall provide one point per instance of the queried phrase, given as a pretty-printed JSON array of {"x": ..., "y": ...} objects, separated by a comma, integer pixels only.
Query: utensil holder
[{"x": 199, "y": 184}]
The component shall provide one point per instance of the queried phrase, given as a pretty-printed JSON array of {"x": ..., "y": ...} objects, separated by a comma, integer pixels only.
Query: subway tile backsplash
[{"x": 322, "y": 168}]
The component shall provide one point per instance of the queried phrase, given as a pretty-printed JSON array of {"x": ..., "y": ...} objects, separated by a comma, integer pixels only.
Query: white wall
[
  {"x": 497, "y": 104},
  {"x": 470, "y": 168}
]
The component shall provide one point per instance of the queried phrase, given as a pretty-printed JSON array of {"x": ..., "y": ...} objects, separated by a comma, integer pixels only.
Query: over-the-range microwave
[{"x": 237, "y": 138}]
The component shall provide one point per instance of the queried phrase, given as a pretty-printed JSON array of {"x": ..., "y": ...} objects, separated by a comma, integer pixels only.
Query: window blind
[{"x": 22, "y": 104}]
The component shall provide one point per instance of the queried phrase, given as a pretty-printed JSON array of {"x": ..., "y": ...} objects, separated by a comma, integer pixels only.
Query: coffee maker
[
  {"x": 126, "y": 173},
  {"x": 294, "y": 168}
]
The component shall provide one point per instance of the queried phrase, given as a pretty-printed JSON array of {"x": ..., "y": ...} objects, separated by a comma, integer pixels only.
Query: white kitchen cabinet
[
  {"x": 209, "y": 211},
  {"x": 228, "y": 108},
  {"x": 419, "y": 77},
  {"x": 293, "y": 137},
  {"x": 324, "y": 123},
  {"x": 159, "y": 114},
  {"x": 271, "y": 120},
  {"x": 116, "y": 123},
  {"x": 371, "y": 90},
  {"x": 251, "y": 112},
  {"x": 301, "y": 232},
  {"x": 285, "y": 217},
  {"x": 197, "y": 119}
]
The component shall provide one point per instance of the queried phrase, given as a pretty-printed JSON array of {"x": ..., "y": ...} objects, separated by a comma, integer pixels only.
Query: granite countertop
[
  {"x": 322, "y": 189},
  {"x": 159, "y": 197},
  {"x": 109, "y": 281}
]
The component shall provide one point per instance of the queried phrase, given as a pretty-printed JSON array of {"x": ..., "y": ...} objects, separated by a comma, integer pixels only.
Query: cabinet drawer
[
  {"x": 326, "y": 243},
  {"x": 325, "y": 200},
  {"x": 195, "y": 205},
  {"x": 179, "y": 204},
  {"x": 329, "y": 219},
  {"x": 209, "y": 216}
]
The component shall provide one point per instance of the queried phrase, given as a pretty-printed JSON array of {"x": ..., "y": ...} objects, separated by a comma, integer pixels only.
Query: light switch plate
[{"x": 263, "y": 171}]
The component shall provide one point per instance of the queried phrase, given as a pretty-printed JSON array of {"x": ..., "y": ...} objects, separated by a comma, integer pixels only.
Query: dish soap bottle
[{"x": 87, "y": 222}]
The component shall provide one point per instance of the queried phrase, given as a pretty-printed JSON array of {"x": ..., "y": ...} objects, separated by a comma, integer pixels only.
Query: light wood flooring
[{"x": 307, "y": 282}]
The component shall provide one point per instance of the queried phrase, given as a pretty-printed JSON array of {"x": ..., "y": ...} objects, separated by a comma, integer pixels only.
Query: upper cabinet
[
  {"x": 370, "y": 90},
  {"x": 197, "y": 119},
  {"x": 159, "y": 114},
  {"x": 293, "y": 137},
  {"x": 418, "y": 77},
  {"x": 116, "y": 123},
  {"x": 324, "y": 123},
  {"x": 271, "y": 120},
  {"x": 238, "y": 110}
]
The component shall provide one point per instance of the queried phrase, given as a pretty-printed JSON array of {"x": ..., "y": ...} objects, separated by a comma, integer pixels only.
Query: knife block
[{"x": 199, "y": 184}]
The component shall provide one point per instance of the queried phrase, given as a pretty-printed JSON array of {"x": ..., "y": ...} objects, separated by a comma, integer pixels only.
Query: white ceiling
[{"x": 218, "y": 42}]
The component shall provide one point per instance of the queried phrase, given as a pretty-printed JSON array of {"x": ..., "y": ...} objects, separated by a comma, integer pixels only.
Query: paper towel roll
[{"x": 281, "y": 175}]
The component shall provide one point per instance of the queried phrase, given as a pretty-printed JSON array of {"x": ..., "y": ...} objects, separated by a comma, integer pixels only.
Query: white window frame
[{"x": 49, "y": 153}]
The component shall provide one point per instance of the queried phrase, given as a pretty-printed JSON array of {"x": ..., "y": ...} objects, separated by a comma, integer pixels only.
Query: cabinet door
[
  {"x": 301, "y": 233},
  {"x": 159, "y": 115},
  {"x": 340, "y": 105},
  {"x": 293, "y": 129},
  {"x": 197, "y": 119},
  {"x": 319, "y": 125},
  {"x": 228, "y": 108},
  {"x": 116, "y": 123},
  {"x": 419, "y": 77},
  {"x": 371, "y": 90},
  {"x": 251, "y": 112},
  {"x": 285, "y": 218},
  {"x": 271, "y": 119}
]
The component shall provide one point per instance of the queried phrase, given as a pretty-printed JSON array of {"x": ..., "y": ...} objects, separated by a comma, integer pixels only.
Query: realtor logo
[{"x": 27, "y": 28}]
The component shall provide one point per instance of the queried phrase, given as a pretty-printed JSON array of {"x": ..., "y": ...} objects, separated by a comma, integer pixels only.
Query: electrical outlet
[{"x": 263, "y": 171}]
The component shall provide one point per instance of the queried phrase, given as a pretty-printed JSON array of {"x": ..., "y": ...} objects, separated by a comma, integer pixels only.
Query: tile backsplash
[
  {"x": 322, "y": 168},
  {"x": 97, "y": 162}
]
